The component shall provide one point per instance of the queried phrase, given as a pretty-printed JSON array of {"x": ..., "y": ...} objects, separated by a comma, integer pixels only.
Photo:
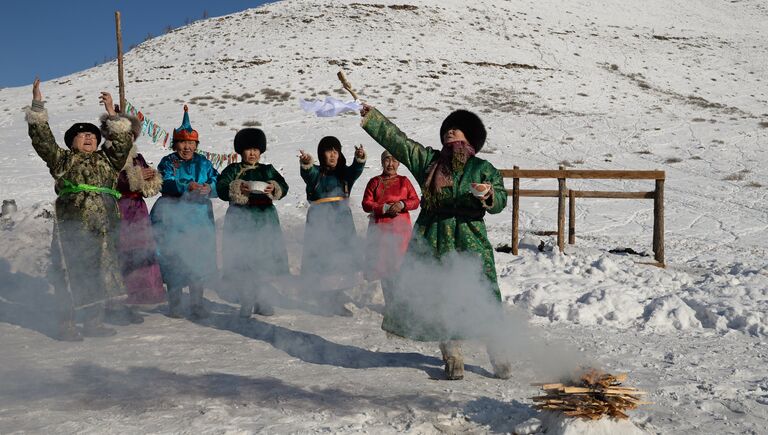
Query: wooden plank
[
  {"x": 604, "y": 194},
  {"x": 595, "y": 174}
]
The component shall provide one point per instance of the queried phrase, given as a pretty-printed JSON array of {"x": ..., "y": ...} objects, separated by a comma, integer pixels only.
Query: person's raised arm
[
  {"x": 118, "y": 131},
  {"x": 40, "y": 132},
  {"x": 411, "y": 154}
]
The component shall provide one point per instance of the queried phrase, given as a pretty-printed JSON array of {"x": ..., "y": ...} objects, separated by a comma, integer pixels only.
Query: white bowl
[{"x": 257, "y": 186}]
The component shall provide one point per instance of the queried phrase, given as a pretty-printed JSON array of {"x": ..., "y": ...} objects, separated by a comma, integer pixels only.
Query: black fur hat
[
  {"x": 469, "y": 124},
  {"x": 330, "y": 143},
  {"x": 80, "y": 127},
  {"x": 250, "y": 138}
]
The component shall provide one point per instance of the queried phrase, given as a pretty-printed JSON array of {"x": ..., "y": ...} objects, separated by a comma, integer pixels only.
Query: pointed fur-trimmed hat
[
  {"x": 185, "y": 131},
  {"x": 469, "y": 124}
]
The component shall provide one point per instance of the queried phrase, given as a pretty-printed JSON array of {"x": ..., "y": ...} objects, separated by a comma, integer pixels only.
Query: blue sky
[{"x": 53, "y": 38}]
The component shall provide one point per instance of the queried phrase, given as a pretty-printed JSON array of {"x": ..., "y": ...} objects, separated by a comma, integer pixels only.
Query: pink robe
[
  {"x": 137, "y": 250},
  {"x": 388, "y": 236}
]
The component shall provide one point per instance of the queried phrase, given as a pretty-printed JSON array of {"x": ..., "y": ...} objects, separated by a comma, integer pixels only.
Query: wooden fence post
[
  {"x": 571, "y": 217},
  {"x": 515, "y": 212},
  {"x": 561, "y": 211},
  {"x": 658, "y": 223}
]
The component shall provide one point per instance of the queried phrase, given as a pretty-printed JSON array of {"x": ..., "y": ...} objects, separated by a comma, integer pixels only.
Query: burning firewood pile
[{"x": 592, "y": 395}]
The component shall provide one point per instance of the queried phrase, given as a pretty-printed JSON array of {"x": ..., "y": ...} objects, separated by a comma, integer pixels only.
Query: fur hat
[
  {"x": 81, "y": 127},
  {"x": 185, "y": 131},
  {"x": 469, "y": 124},
  {"x": 330, "y": 143},
  {"x": 250, "y": 138}
]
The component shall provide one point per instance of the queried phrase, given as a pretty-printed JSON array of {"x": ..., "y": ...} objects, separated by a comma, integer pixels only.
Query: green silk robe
[{"x": 438, "y": 235}]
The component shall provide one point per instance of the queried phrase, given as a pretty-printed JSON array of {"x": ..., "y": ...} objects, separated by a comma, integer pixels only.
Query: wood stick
[
  {"x": 346, "y": 84},
  {"x": 571, "y": 217},
  {"x": 595, "y": 174},
  {"x": 515, "y": 213},
  {"x": 120, "y": 80},
  {"x": 658, "y": 223},
  {"x": 561, "y": 211}
]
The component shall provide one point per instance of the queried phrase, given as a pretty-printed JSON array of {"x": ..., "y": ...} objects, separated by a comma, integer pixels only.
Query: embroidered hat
[{"x": 185, "y": 131}]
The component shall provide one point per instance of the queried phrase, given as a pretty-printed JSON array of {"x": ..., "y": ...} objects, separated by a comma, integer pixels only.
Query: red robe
[{"x": 388, "y": 236}]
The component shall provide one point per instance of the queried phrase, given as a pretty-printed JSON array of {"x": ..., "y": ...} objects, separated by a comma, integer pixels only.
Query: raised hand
[
  {"x": 106, "y": 99},
  {"x": 365, "y": 109},
  {"x": 304, "y": 158},
  {"x": 360, "y": 152},
  {"x": 36, "y": 94}
]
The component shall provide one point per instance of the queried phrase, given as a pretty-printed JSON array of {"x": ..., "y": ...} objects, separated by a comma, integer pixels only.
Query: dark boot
[
  {"x": 174, "y": 303},
  {"x": 453, "y": 358},
  {"x": 502, "y": 368},
  {"x": 340, "y": 304},
  {"x": 123, "y": 315},
  {"x": 67, "y": 330},
  {"x": 263, "y": 309},
  {"x": 197, "y": 309},
  {"x": 94, "y": 324}
]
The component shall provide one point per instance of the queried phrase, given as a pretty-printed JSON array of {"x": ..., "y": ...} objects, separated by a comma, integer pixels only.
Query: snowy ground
[{"x": 671, "y": 85}]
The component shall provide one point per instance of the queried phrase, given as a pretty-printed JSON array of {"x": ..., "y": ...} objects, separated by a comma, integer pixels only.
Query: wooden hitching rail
[{"x": 562, "y": 175}]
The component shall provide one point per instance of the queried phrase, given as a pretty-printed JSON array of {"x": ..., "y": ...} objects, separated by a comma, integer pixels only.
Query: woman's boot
[
  {"x": 197, "y": 308},
  {"x": 453, "y": 358},
  {"x": 502, "y": 368},
  {"x": 67, "y": 329},
  {"x": 174, "y": 303},
  {"x": 93, "y": 326}
]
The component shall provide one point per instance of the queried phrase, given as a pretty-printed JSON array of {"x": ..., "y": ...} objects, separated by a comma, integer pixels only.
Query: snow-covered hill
[{"x": 661, "y": 84}]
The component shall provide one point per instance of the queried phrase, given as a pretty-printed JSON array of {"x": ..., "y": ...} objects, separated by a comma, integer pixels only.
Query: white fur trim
[
  {"x": 152, "y": 186},
  {"x": 36, "y": 116},
  {"x": 361, "y": 159},
  {"x": 131, "y": 155},
  {"x": 308, "y": 165},
  {"x": 117, "y": 125},
  {"x": 235, "y": 195},
  {"x": 134, "y": 175},
  {"x": 277, "y": 192}
]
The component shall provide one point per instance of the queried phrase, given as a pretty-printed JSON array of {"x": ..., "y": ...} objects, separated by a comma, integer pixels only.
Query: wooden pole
[
  {"x": 561, "y": 212},
  {"x": 120, "y": 82},
  {"x": 571, "y": 217},
  {"x": 515, "y": 212},
  {"x": 658, "y": 223}
]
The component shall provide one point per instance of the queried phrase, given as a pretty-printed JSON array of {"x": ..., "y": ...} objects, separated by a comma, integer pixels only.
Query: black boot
[
  {"x": 94, "y": 324},
  {"x": 123, "y": 315},
  {"x": 174, "y": 303},
  {"x": 263, "y": 309},
  {"x": 502, "y": 368},
  {"x": 197, "y": 308},
  {"x": 67, "y": 330}
]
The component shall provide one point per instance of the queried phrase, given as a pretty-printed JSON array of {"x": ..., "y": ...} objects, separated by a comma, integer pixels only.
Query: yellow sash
[{"x": 329, "y": 199}]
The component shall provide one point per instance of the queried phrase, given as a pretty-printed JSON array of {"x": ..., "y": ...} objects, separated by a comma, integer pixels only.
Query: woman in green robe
[
  {"x": 253, "y": 246},
  {"x": 458, "y": 189},
  {"x": 85, "y": 271}
]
